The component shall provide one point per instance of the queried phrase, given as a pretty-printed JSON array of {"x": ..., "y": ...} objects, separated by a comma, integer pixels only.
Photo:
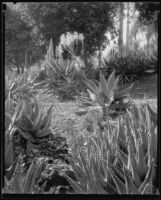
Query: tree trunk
[
  {"x": 127, "y": 30},
  {"x": 121, "y": 28}
]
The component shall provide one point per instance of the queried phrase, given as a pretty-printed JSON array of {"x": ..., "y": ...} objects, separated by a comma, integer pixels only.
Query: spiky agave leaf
[
  {"x": 130, "y": 185},
  {"x": 8, "y": 120},
  {"x": 141, "y": 159},
  {"x": 40, "y": 167},
  {"x": 153, "y": 115},
  {"x": 151, "y": 148},
  {"x": 92, "y": 86},
  {"x": 92, "y": 95},
  {"x": 76, "y": 186},
  {"x": 142, "y": 115},
  {"x": 45, "y": 124},
  {"x": 91, "y": 185},
  {"x": 119, "y": 184},
  {"x": 50, "y": 53},
  {"x": 98, "y": 177},
  {"x": 148, "y": 189},
  {"x": 35, "y": 111},
  {"x": 17, "y": 178},
  {"x": 148, "y": 177},
  {"x": 132, "y": 165},
  {"x": 8, "y": 151},
  {"x": 122, "y": 156},
  {"x": 120, "y": 130},
  {"x": 37, "y": 122},
  {"x": 111, "y": 86},
  {"x": 17, "y": 114},
  {"x": 103, "y": 85},
  {"x": 79, "y": 173}
]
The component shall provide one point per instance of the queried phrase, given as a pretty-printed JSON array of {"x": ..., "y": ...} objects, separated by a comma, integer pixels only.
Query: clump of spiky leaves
[
  {"x": 26, "y": 183},
  {"x": 26, "y": 125},
  {"x": 129, "y": 67},
  {"x": 31, "y": 120},
  {"x": 19, "y": 87},
  {"x": 120, "y": 160},
  {"x": 16, "y": 88},
  {"x": 106, "y": 94},
  {"x": 63, "y": 79}
]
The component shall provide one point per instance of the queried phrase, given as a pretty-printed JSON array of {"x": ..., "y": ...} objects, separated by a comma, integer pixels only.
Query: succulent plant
[
  {"x": 26, "y": 184},
  {"x": 26, "y": 125},
  {"x": 121, "y": 159},
  {"x": 106, "y": 94},
  {"x": 31, "y": 121},
  {"x": 62, "y": 78}
]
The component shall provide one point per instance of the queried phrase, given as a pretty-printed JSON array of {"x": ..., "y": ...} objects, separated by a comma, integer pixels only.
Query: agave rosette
[
  {"x": 32, "y": 121},
  {"x": 102, "y": 93},
  {"x": 106, "y": 94}
]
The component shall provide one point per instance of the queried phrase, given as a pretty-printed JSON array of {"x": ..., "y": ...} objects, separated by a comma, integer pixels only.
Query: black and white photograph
[{"x": 81, "y": 98}]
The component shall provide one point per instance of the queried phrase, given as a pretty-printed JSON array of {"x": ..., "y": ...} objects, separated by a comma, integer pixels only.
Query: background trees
[
  {"x": 90, "y": 19},
  {"x": 17, "y": 39},
  {"x": 29, "y": 27}
]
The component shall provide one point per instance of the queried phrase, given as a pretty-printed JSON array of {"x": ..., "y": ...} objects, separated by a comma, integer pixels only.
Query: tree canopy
[
  {"x": 148, "y": 11},
  {"x": 32, "y": 25},
  {"x": 87, "y": 18}
]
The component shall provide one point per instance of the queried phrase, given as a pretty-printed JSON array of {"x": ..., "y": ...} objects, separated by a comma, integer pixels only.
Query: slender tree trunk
[
  {"x": 121, "y": 28},
  {"x": 127, "y": 30}
]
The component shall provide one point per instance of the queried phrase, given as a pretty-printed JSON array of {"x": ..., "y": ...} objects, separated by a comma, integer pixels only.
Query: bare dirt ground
[{"x": 64, "y": 116}]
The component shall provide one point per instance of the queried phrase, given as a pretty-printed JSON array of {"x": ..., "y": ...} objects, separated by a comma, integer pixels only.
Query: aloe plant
[
  {"x": 26, "y": 125},
  {"x": 121, "y": 159},
  {"x": 106, "y": 94},
  {"x": 19, "y": 87},
  {"x": 62, "y": 78},
  {"x": 26, "y": 184},
  {"x": 32, "y": 121}
]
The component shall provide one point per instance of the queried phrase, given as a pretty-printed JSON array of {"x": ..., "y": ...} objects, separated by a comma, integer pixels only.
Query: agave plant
[
  {"x": 32, "y": 121},
  {"x": 106, "y": 94},
  {"x": 28, "y": 123},
  {"x": 62, "y": 77},
  {"x": 26, "y": 184},
  {"x": 19, "y": 87},
  {"x": 120, "y": 160}
]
